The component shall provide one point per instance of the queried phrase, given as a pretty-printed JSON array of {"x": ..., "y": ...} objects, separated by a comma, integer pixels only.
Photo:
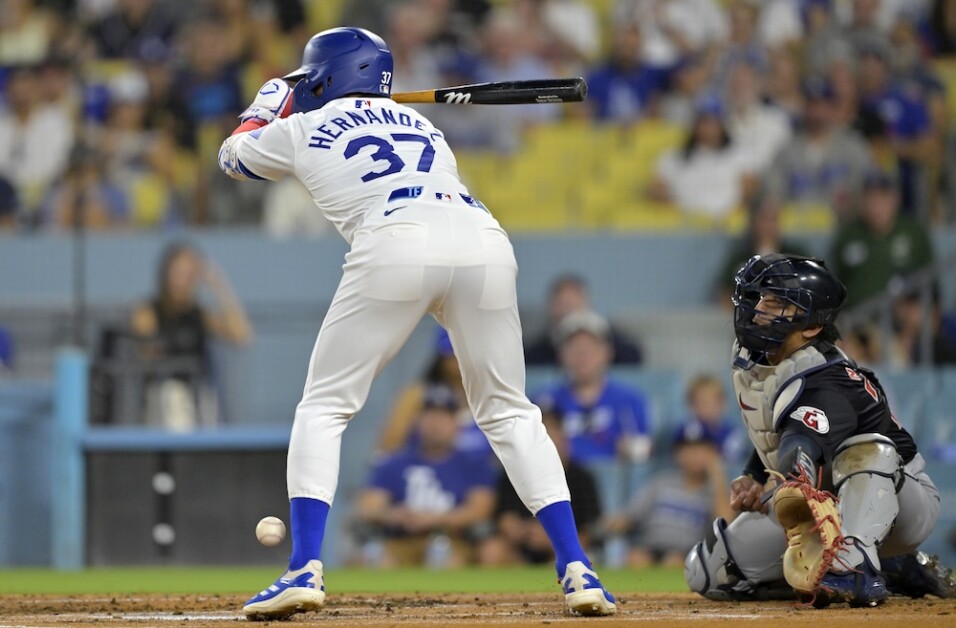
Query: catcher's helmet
[
  {"x": 341, "y": 61},
  {"x": 803, "y": 281}
]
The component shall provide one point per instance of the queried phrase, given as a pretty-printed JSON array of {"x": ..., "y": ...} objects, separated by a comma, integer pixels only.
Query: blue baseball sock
[
  {"x": 308, "y": 518},
  {"x": 558, "y": 521}
]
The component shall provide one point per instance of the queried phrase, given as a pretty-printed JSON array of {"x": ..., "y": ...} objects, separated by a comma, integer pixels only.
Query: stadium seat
[
  {"x": 807, "y": 218},
  {"x": 946, "y": 70},
  {"x": 149, "y": 196},
  {"x": 323, "y": 15}
]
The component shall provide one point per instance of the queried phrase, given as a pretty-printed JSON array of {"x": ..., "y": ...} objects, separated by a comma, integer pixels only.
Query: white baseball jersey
[
  {"x": 420, "y": 245},
  {"x": 350, "y": 155}
]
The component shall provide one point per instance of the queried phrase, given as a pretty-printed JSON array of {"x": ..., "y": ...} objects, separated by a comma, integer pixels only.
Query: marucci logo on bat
[{"x": 458, "y": 98}]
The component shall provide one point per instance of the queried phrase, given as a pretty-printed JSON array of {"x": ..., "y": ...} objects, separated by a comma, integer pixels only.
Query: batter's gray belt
[{"x": 416, "y": 191}]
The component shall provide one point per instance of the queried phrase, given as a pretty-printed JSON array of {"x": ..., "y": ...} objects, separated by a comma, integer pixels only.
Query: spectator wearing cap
[
  {"x": 519, "y": 537},
  {"x": 569, "y": 293},
  {"x": 824, "y": 164},
  {"x": 604, "y": 419},
  {"x": 623, "y": 89},
  {"x": 881, "y": 244},
  {"x": 709, "y": 176},
  {"x": 903, "y": 111},
  {"x": 442, "y": 371},
  {"x": 672, "y": 511},
  {"x": 429, "y": 489}
]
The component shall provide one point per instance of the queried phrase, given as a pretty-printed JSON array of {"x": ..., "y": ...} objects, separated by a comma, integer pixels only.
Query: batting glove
[{"x": 274, "y": 100}]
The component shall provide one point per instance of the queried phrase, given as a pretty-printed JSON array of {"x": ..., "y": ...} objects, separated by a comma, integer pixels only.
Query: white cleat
[
  {"x": 298, "y": 591},
  {"x": 584, "y": 593}
]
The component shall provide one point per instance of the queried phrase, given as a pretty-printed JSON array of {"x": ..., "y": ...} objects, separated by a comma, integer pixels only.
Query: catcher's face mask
[{"x": 776, "y": 295}]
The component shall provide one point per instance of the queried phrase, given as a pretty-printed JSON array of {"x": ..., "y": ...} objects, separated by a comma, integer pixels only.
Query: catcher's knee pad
[
  {"x": 709, "y": 566},
  {"x": 711, "y": 571},
  {"x": 867, "y": 475}
]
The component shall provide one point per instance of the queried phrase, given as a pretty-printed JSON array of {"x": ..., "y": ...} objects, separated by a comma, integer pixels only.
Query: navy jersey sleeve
[{"x": 824, "y": 415}]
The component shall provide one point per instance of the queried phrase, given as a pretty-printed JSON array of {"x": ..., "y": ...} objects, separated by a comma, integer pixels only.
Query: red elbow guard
[{"x": 249, "y": 125}]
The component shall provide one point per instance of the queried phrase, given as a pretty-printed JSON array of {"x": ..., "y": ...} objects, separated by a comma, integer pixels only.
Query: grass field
[{"x": 245, "y": 580}]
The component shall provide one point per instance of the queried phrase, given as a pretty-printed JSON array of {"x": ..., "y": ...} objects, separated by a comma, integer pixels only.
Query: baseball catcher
[{"x": 834, "y": 500}]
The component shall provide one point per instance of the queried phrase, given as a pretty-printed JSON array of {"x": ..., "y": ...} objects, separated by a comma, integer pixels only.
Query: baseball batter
[
  {"x": 808, "y": 407},
  {"x": 420, "y": 244}
]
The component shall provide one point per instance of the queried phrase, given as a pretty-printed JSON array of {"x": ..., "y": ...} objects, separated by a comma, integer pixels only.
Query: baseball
[{"x": 270, "y": 531}]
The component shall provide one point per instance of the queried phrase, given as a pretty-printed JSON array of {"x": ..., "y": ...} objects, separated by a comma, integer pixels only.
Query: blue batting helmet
[{"x": 338, "y": 62}]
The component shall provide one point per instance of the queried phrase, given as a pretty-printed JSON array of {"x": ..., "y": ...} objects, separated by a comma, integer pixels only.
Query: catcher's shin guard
[{"x": 866, "y": 476}]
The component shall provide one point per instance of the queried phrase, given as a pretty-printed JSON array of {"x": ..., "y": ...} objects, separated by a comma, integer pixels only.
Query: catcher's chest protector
[{"x": 761, "y": 398}]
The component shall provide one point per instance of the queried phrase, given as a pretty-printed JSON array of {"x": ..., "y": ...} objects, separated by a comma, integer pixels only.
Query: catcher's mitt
[{"x": 814, "y": 531}]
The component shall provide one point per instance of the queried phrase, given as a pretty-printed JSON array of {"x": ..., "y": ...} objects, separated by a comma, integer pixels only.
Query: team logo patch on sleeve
[{"x": 814, "y": 418}]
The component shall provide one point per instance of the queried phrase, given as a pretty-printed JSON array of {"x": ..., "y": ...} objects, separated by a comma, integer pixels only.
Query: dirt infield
[{"x": 460, "y": 610}]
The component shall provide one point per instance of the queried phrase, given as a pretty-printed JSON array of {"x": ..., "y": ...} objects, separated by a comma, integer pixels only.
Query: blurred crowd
[
  {"x": 113, "y": 109},
  {"x": 642, "y": 489}
]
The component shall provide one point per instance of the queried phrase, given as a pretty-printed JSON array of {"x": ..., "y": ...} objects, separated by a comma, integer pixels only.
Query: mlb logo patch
[
  {"x": 441, "y": 196},
  {"x": 362, "y": 103}
]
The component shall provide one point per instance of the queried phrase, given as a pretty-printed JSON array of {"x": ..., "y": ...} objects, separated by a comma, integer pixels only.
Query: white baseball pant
[{"x": 450, "y": 259}]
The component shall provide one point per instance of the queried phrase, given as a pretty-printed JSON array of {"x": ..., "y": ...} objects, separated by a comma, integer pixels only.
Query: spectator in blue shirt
[
  {"x": 604, "y": 419},
  {"x": 430, "y": 490},
  {"x": 623, "y": 88},
  {"x": 707, "y": 414}
]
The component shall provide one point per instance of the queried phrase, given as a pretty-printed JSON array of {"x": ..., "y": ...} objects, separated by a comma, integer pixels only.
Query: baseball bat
[{"x": 503, "y": 93}]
